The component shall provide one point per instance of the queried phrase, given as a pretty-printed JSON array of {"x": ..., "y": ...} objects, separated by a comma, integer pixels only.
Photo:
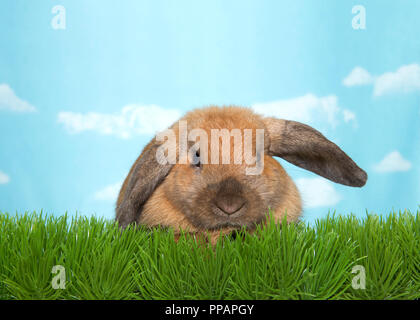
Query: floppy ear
[
  {"x": 144, "y": 177},
  {"x": 307, "y": 148}
]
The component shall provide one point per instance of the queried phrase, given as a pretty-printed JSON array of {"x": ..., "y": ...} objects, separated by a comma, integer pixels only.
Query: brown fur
[{"x": 187, "y": 197}]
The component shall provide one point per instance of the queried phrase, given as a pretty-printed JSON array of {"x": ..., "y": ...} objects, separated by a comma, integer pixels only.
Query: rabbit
[{"x": 217, "y": 199}]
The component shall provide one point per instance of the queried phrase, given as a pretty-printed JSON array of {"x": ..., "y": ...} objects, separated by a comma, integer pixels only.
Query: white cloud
[
  {"x": 405, "y": 79},
  {"x": 348, "y": 115},
  {"x": 109, "y": 193},
  {"x": 307, "y": 109},
  {"x": 4, "y": 178},
  {"x": 131, "y": 120},
  {"x": 9, "y": 100},
  {"x": 393, "y": 162},
  {"x": 357, "y": 77},
  {"x": 317, "y": 192}
]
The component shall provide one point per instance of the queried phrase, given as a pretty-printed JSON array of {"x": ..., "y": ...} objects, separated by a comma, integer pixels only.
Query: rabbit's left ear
[
  {"x": 307, "y": 148},
  {"x": 144, "y": 177}
]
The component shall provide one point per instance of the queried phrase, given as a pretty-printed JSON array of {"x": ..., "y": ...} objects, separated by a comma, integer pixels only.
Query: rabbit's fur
[{"x": 219, "y": 198}]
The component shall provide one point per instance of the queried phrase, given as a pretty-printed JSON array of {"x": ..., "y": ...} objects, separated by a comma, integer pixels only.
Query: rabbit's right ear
[
  {"x": 145, "y": 176},
  {"x": 307, "y": 148}
]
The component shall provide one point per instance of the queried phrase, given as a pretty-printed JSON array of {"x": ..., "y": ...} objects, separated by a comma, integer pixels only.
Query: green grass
[{"x": 293, "y": 261}]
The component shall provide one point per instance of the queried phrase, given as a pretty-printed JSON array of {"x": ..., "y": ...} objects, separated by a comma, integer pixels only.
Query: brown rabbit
[{"x": 198, "y": 196}]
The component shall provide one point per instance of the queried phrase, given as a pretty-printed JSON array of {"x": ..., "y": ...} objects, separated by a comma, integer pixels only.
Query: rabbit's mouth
[
  {"x": 230, "y": 211},
  {"x": 224, "y": 203},
  {"x": 236, "y": 224}
]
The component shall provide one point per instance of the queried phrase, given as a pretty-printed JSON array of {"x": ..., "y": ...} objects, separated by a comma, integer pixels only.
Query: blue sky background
[{"x": 63, "y": 91}]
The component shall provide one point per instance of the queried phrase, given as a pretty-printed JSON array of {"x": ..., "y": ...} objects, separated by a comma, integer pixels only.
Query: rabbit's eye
[{"x": 196, "y": 160}]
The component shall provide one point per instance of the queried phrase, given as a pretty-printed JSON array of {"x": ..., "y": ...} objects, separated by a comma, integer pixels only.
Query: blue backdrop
[{"x": 85, "y": 84}]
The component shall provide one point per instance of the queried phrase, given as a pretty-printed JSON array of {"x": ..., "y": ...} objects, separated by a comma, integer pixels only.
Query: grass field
[{"x": 294, "y": 261}]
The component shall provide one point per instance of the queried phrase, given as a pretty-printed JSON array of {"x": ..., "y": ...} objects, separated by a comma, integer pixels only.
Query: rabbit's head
[{"x": 214, "y": 171}]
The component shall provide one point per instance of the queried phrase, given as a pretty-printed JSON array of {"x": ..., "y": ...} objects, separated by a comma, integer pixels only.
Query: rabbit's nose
[{"x": 229, "y": 203}]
